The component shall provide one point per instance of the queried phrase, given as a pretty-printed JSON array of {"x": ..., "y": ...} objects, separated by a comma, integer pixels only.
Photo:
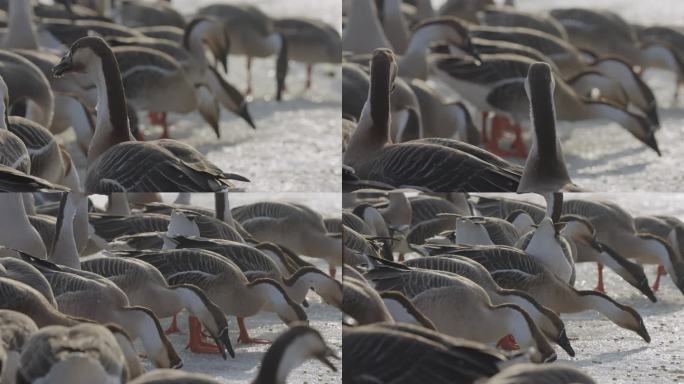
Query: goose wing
[
  {"x": 502, "y": 207},
  {"x": 12, "y": 180},
  {"x": 475, "y": 150},
  {"x": 487, "y": 70},
  {"x": 428, "y": 207},
  {"x": 145, "y": 167},
  {"x": 128, "y": 274},
  {"x": 436, "y": 168},
  {"x": 110, "y": 227},
  {"x": 46, "y": 157},
  {"x": 13, "y": 152}
]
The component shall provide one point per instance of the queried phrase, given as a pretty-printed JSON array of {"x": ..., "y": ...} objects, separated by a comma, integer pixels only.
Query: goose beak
[
  {"x": 564, "y": 343},
  {"x": 643, "y": 333},
  {"x": 224, "y": 345},
  {"x": 63, "y": 67},
  {"x": 235, "y": 176},
  {"x": 244, "y": 113},
  {"x": 652, "y": 143},
  {"x": 325, "y": 358}
]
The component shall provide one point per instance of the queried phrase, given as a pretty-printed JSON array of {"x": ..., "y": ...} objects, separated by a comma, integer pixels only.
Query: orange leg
[
  {"x": 508, "y": 343},
  {"x": 401, "y": 258},
  {"x": 173, "y": 328},
  {"x": 196, "y": 343},
  {"x": 599, "y": 285},
  {"x": 309, "y": 68},
  {"x": 244, "y": 337},
  {"x": 656, "y": 285}
]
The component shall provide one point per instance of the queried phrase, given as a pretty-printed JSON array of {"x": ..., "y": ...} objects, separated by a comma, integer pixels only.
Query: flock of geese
[
  {"x": 82, "y": 290},
  {"x": 402, "y": 58},
  {"x": 92, "y": 66},
  {"x": 486, "y": 271}
]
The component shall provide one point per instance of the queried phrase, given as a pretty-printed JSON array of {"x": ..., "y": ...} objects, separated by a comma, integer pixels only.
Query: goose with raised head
[
  {"x": 164, "y": 165},
  {"x": 438, "y": 281},
  {"x": 145, "y": 286},
  {"x": 514, "y": 269},
  {"x": 295, "y": 226},
  {"x": 499, "y": 320},
  {"x": 93, "y": 297},
  {"x": 86, "y": 353},
  {"x": 15, "y": 331},
  {"x": 363, "y": 32},
  {"x": 21, "y": 32},
  {"x": 418, "y": 351},
  {"x": 310, "y": 42},
  {"x": 395, "y": 25},
  {"x": 440, "y": 166},
  {"x": 616, "y": 229},
  {"x": 226, "y": 285}
]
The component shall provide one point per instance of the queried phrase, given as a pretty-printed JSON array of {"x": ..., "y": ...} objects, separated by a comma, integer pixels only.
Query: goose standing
[
  {"x": 363, "y": 32},
  {"x": 116, "y": 162}
]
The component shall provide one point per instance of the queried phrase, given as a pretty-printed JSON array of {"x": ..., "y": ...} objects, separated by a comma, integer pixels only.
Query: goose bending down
[
  {"x": 20, "y": 270},
  {"x": 496, "y": 82},
  {"x": 514, "y": 269},
  {"x": 412, "y": 354},
  {"x": 292, "y": 348},
  {"x": 226, "y": 285},
  {"x": 363, "y": 32},
  {"x": 93, "y": 297},
  {"x": 310, "y": 42},
  {"x": 164, "y": 165},
  {"x": 15, "y": 331},
  {"x": 146, "y": 287},
  {"x": 428, "y": 164},
  {"x": 296, "y": 227},
  {"x": 616, "y": 228},
  {"x": 82, "y": 353},
  {"x": 250, "y": 31},
  {"x": 502, "y": 317}
]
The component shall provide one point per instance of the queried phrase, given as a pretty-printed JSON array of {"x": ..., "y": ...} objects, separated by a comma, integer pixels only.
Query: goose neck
[
  {"x": 21, "y": 33},
  {"x": 65, "y": 251},
  {"x": 16, "y": 232}
]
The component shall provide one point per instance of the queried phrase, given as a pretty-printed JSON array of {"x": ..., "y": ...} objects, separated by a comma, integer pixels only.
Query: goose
[
  {"x": 251, "y": 32},
  {"x": 292, "y": 348},
  {"x": 491, "y": 82},
  {"x": 441, "y": 119},
  {"x": 363, "y": 32},
  {"x": 526, "y": 373},
  {"x": 615, "y": 228},
  {"x": 83, "y": 353},
  {"x": 93, "y": 297},
  {"x": 509, "y": 17},
  {"x": 27, "y": 86},
  {"x": 412, "y": 353},
  {"x": 395, "y": 25},
  {"x": 15, "y": 332},
  {"x": 136, "y": 14},
  {"x": 226, "y": 285},
  {"x": 546, "y": 244},
  {"x": 165, "y": 32},
  {"x": 13, "y": 151},
  {"x": 146, "y": 287},
  {"x": 296, "y": 227},
  {"x": 514, "y": 269},
  {"x": 183, "y": 168},
  {"x": 20, "y": 297},
  {"x": 465, "y": 9},
  {"x": 501, "y": 320},
  {"x": 310, "y": 42},
  {"x": 418, "y": 284},
  {"x": 19, "y": 270},
  {"x": 426, "y": 207},
  {"x": 373, "y": 157}
]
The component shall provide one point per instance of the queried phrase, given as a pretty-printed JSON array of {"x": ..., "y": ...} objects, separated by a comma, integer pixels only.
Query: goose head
[
  {"x": 84, "y": 56},
  {"x": 294, "y": 347}
]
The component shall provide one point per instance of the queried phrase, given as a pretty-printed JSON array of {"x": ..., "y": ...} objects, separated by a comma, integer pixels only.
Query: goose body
[{"x": 15, "y": 331}]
